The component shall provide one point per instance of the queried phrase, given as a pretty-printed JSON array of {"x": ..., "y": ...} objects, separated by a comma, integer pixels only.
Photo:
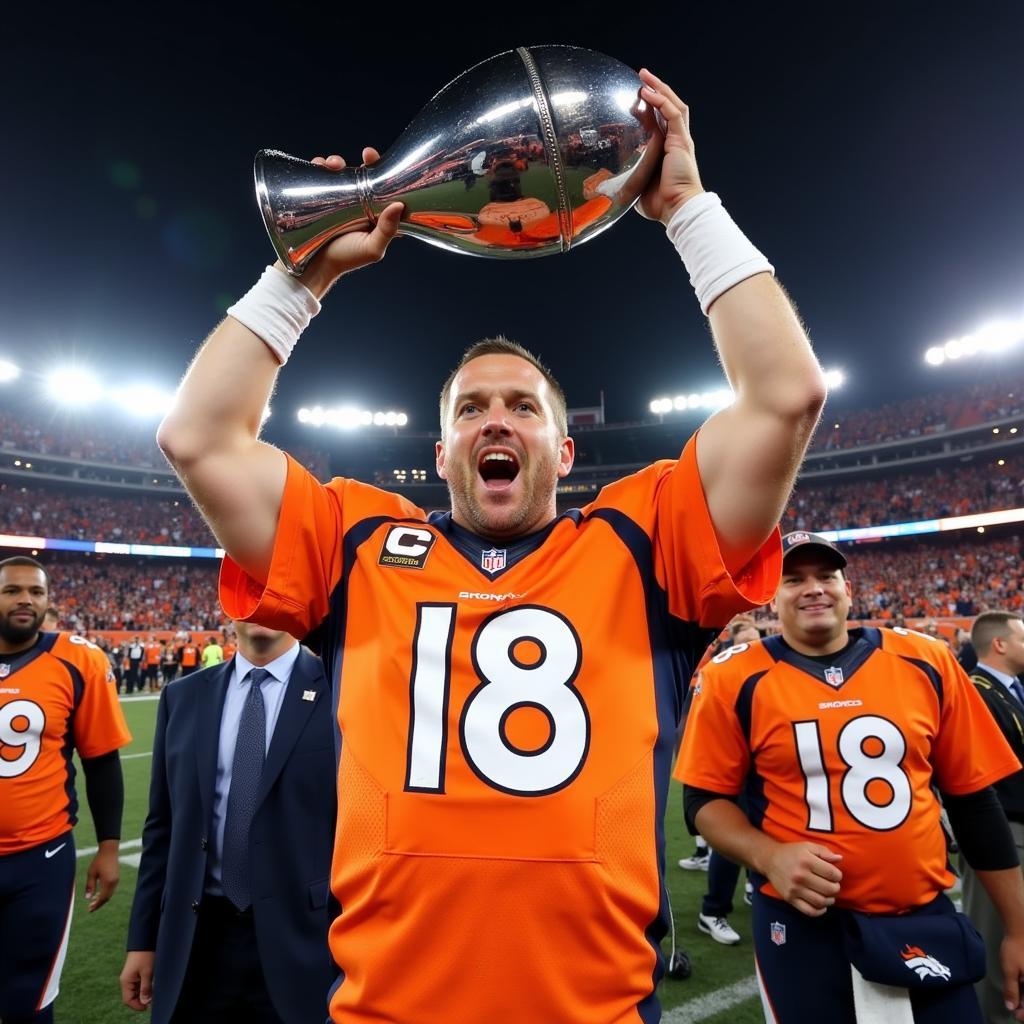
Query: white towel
[{"x": 880, "y": 1004}]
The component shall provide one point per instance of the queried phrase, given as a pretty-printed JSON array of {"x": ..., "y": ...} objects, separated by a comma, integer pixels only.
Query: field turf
[{"x": 89, "y": 988}]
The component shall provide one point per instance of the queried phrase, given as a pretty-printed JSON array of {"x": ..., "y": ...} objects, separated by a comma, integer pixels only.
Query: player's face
[
  {"x": 24, "y": 598},
  {"x": 812, "y": 603},
  {"x": 502, "y": 454}
]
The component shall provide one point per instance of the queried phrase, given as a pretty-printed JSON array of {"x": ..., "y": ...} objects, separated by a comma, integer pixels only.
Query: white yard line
[
  {"x": 144, "y": 696},
  {"x": 145, "y": 753},
  {"x": 719, "y": 1001},
  {"x": 128, "y": 844}
]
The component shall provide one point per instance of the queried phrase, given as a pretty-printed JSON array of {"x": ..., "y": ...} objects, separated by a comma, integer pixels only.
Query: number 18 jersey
[
  {"x": 845, "y": 752},
  {"x": 506, "y": 719}
]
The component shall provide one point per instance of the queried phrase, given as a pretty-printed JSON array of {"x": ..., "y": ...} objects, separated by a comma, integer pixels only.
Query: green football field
[{"x": 719, "y": 991}]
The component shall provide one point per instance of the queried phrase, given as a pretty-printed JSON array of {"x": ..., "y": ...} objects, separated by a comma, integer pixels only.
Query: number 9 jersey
[
  {"x": 845, "y": 751},
  {"x": 507, "y": 720},
  {"x": 55, "y": 697}
]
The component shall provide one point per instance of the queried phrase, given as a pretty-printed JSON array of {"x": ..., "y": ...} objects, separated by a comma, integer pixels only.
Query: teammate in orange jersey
[
  {"x": 56, "y": 695},
  {"x": 839, "y": 738},
  {"x": 508, "y": 681}
]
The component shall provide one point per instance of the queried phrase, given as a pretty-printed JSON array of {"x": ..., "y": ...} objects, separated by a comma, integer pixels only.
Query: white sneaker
[
  {"x": 719, "y": 929},
  {"x": 698, "y": 862}
]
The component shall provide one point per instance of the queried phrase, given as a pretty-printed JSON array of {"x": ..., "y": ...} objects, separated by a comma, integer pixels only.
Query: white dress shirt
[{"x": 274, "y": 686}]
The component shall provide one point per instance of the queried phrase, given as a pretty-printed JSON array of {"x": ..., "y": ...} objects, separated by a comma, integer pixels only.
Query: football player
[
  {"x": 57, "y": 695},
  {"x": 839, "y": 739},
  {"x": 508, "y": 681}
]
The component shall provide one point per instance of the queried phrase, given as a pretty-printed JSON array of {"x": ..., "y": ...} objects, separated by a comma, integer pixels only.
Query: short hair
[
  {"x": 25, "y": 560},
  {"x": 988, "y": 626},
  {"x": 499, "y": 345}
]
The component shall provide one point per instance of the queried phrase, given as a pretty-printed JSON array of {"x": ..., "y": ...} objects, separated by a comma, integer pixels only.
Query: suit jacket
[
  {"x": 290, "y": 841},
  {"x": 1009, "y": 714}
]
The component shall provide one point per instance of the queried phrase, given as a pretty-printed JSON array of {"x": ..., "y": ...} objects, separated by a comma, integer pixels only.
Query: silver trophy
[{"x": 529, "y": 153}]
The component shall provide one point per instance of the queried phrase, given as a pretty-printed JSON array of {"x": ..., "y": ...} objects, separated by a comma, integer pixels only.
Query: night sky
[{"x": 875, "y": 152}]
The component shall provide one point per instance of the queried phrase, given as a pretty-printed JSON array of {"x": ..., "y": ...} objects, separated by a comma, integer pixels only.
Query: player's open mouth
[{"x": 498, "y": 468}]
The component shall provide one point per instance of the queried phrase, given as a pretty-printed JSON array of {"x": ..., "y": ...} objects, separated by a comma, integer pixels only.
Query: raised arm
[
  {"x": 748, "y": 453},
  {"x": 211, "y": 435}
]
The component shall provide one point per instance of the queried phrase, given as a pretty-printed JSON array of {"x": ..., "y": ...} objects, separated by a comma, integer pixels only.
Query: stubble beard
[{"x": 506, "y": 523}]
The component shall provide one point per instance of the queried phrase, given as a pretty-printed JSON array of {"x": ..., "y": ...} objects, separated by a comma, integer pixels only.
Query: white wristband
[
  {"x": 717, "y": 255},
  {"x": 278, "y": 308}
]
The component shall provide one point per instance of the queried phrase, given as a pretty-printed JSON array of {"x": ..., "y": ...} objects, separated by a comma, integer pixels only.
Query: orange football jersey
[
  {"x": 507, "y": 721},
  {"x": 845, "y": 752},
  {"x": 56, "y": 695}
]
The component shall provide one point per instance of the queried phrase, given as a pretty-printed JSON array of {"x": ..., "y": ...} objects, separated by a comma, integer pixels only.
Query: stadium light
[
  {"x": 993, "y": 338},
  {"x": 142, "y": 400},
  {"x": 348, "y": 417},
  {"x": 8, "y": 371},
  {"x": 711, "y": 401},
  {"x": 73, "y": 385}
]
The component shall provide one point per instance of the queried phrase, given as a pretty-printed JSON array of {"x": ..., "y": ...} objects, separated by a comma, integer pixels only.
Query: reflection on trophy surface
[{"x": 528, "y": 153}]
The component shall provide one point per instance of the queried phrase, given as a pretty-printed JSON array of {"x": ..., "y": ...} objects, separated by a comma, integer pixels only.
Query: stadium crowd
[
  {"x": 979, "y": 486},
  {"x": 76, "y": 514},
  {"x": 119, "y": 442},
  {"x": 917, "y": 417},
  {"x": 107, "y": 592}
]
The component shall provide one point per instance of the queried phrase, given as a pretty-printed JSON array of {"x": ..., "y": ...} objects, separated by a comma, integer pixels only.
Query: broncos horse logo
[{"x": 923, "y": 965}]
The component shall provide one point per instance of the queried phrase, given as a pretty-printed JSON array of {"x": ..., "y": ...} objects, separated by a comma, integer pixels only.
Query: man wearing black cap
[{"x": 839, "y": 738}]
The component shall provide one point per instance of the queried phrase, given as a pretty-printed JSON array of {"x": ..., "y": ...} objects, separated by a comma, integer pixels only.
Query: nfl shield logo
[
  {"x": 492, "y": 560},
  {"x": 834, "y": 676},
  {"x": 5, "y": 670},
  {"x": 778, "y": 933}
]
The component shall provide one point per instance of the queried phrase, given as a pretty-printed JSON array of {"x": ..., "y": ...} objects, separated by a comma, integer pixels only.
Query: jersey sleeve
[
  {"x": 714, "y": 754},
  {"x": 306, "y": 563},
  {"x": 99, "y": 725},
  {"x": 689, "y": 563},
  {"x": 970, "y": 750}
]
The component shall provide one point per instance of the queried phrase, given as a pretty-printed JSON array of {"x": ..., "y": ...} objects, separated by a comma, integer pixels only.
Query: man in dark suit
[
  {"x": 998, "y": 638},
  {"x": 230, "y": 915}
]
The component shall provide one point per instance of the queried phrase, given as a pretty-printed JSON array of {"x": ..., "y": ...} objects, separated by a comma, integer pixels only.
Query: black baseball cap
[{"x": 800, "y": 539}]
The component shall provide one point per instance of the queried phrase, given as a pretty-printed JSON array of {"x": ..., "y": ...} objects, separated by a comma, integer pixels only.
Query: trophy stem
[{"x": 305, "y": 205}]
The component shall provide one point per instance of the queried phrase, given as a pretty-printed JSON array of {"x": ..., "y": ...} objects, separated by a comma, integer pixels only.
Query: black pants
[
  {"x": 224, "y": 983},
  {"x": 37, "y": 889},
  {"x": 133, "y": 676},
  {"x": 805, "y": 975}
]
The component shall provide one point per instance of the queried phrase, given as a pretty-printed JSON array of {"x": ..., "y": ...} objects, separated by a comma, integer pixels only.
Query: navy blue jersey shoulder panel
[
  {"x": 78, "y": 689},
  {"x": 676, "y": 647},
  {"x": 931, "y": 673},
  {"x": 745, "y": 702}
]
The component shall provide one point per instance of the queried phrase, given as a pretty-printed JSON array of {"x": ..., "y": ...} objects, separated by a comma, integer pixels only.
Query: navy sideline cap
[{"x": 801, "y": 539}]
